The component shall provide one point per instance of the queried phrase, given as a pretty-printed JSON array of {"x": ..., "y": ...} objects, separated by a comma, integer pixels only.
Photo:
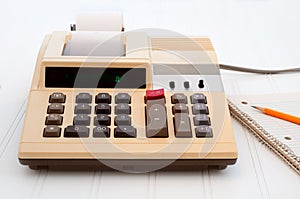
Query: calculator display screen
[{"x": 88, "y": 77}]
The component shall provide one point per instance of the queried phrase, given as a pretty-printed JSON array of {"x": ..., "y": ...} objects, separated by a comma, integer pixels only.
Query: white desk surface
[{"x": 244, "y": 32}]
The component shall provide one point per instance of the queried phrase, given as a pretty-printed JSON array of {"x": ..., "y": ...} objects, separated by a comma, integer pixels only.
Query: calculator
[{"x": 149, "y": 109}]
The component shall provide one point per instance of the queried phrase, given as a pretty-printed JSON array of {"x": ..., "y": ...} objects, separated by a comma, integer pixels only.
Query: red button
[{"x": 155, "y": 94}]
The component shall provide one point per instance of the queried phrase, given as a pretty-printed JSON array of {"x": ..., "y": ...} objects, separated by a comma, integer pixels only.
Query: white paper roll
[
  {"x": 99, "y": 22},
  {"x": 91, "y": 43}
]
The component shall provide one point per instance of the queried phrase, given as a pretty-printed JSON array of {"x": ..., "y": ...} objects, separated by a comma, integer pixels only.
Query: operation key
[
  {"x": 182, "y": 125},
  {"x": 156, "y": 119}
]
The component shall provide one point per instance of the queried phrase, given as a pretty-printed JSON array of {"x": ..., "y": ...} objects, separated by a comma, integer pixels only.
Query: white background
[{"x": 258, "y": 33}]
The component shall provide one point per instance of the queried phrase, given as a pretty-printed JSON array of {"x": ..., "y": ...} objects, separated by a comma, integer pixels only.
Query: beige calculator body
[{"x": 147, "y": 110}]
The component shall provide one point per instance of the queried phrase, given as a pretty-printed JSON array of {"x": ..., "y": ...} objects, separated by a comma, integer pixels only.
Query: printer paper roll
[
  {"x": 99, "y": 22},
  {"x": 87, "y": 43}
]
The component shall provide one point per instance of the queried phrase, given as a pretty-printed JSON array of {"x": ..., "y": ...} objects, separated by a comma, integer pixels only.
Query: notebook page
[{"x": 286, "y": 132}]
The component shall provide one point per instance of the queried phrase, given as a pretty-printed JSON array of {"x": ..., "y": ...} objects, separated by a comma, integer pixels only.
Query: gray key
[
  {"x": 203, "y": 131},
  {"x": 201, "y": 119},
  {"x": 198, "y": 98},
  {"x": 82, "y": 109},
  {"x": 84, "y": 98},
  {"x": 179, "y": 108},
  {"x": 83, "y": 120},
  {"x": 199, "y": 108},
  {"x": 122, "y": 109},
  {"x": 123, "y": 98},
  {"x": 122, "y": 119},
  {"x": 182, "y": 125}
]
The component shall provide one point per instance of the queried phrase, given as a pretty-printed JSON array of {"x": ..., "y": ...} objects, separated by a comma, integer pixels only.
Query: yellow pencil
[{"x": 278, "y": 114}]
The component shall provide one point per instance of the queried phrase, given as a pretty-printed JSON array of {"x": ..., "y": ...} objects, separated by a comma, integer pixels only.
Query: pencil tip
[{"x": 254, "y": 106}]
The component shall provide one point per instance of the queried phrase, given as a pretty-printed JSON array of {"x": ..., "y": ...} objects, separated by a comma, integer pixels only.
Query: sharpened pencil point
[{"x": 258, "y": 108}]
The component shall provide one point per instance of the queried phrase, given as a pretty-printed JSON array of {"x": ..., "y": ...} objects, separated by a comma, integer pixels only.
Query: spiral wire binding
[{"x": 266, "y": 138}]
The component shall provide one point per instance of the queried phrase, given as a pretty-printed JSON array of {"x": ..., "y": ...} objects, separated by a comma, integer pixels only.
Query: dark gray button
[
  {"x": 83, "y": 120},
  {"x": 84, "y": 98},
  {"x": 103, "y": 98},
  {"x": 122, "y": 109},
  {"x": 101, "y": 132},
  {"x": 125, "y": 132},
  {"x": 76, "y": 131},
  {"x": 52, "y": 131},
  {"x": 102, "y": 108},
  {"x": 182, "y": 125},
  {"x": 201, "y": 119},
  {"x": 172, "y": 84},
  {"x": 54, "y": 119},
  {"x": 199, "y": 108},
  {"x": 82, "y": 109},
  {"x": 198, "y": 98},
  {"x": 179, "y": 98},
  {"x": 179, "y": 108},
  {"x": 56, "y": 108},
  {"x": 156, "y": 119},
  {"x": 186, "y": 84},
  {"x": 102, "y": 119},
  {"x": 123, "y": 98},
  {"x": 121, "y": 120},
  {"x": 57, "y": 98},
  {"x": 203, "y": 131}
]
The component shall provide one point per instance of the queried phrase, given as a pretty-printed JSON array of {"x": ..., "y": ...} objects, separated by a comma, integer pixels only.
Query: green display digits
[{"x": 117, "y": 79}]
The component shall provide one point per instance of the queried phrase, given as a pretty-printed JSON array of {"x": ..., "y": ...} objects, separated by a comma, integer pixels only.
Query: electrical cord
[{"x": 257, "y": 71}]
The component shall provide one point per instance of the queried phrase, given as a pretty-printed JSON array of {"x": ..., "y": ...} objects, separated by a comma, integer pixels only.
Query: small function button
[
  {"x": 186, "y": 84},
  {"x": 122, "y": 109},
  {"x": 101, "y": 132},
  {"x": 179, "y": 108},
  {"x": 203, "y": 131},
  {"x": 121, "y": 120},
  {"x": 56, "y": 108},
  {"x": 103, "y": 108},
  {"x": 76, "y": 131},
  {"x": 84, "y": 98},
  {"x": 178, "y": 98},
  {"x": 54, "y": 119},
  {"x": 199, "y": 108},
  {"x": 201, "y": 119},
  {"x": 201, "y": 83},
  {"x": 102, "y": 119},
  {"x": 125, "y": 132},
  {"x": 172, "y": 84},
  {"x": 83, "y": 120},
  {"x": 103, "y": 98},
  {"x": 52, "y": 131},
  {"x": 57, "y": 98},
  {"x": 82, "y": 109},
  {"x": 123, "y": 98},
  {"x": 198, "y": 98},
  {"x": 182, "y": 125}
]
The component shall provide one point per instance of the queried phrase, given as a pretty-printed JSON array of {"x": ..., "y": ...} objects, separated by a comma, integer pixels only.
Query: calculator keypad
[{"x": 188, "y": 111}]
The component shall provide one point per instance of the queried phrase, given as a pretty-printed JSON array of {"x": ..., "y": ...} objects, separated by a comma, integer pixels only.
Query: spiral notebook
[{"x": 281, "y": 136}]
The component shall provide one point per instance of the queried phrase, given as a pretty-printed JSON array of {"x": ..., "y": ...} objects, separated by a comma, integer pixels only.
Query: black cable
[{"x": 258, "y": 71}]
